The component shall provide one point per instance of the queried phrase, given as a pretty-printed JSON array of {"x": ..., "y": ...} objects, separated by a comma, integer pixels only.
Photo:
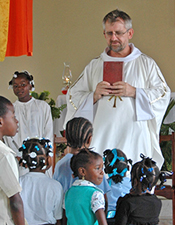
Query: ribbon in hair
[{"x": 114, "y": 151}]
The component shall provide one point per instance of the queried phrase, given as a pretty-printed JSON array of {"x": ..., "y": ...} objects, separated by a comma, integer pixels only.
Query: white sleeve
[
  {"x": 143, "y": 106},
  {"x": 97, "y": 201}
]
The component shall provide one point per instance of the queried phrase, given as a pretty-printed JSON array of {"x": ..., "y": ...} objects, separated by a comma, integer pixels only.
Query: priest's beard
[{"x": 116, "y": 49}]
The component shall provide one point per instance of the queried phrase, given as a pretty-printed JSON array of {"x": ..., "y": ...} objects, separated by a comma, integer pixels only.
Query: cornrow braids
[
  {"x": 78, "y": 130},
  {"x": 147, "y": 172},
  {"x": 82, "y": 159},
  {"x": 25, "y": 74},
  {"x": 116, "y": 164},
  {"x": 4, "y": 102},
  {"x": 34, "y": 153}
]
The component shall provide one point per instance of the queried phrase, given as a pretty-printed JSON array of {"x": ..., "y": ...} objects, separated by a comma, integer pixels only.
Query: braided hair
[
  {"x": 25, "y": 74},
  {"x": 78, "y": 131},
  {"x": 34, "y": 153},
  {"x": 147, "y": 172},
  {"x": 116, "y": 164},
  {"x": 82, "y": 159}
]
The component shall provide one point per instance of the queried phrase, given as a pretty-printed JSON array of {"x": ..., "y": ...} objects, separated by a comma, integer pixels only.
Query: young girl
[
  {"x": 140, "y": 206},
  {"x": 11, "y": 204},
  {"x": 79, "y": 133},
  {"x": 84, "y": 202},
  {"x": 116, "y": 166},
  {"x": 42, "y": 196},
  {"x": 34, "y": 116}
]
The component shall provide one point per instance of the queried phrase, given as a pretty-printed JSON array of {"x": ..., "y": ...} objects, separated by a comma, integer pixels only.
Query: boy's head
[
  {"x": 22, "y": 83},
  {"x": 116, "y": 164},
  {"x": 36, "y": 154},
  {"x": 78, "y": 133},
  {"x": 8, "y": 121}
]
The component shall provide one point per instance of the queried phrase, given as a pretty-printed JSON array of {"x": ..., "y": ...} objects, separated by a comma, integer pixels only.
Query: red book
[{"x": 112, "y": 71}]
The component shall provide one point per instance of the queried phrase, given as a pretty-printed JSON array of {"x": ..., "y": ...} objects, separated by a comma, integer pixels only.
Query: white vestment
[
  {"x": 134, "y": 125},
  {"x": 35, "y": 120}
]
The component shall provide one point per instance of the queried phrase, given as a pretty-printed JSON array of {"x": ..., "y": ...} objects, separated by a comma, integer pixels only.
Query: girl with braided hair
[
  {"x": 34, "y": 115},
  {"x": 42, "y": 196},
  {"x": 140, "y": 206},
  {"x": 116, "y": 166},
  {"x": 84, "y": 202}
]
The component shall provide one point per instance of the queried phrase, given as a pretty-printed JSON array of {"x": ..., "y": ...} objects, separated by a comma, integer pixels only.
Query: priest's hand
[
  {"x": 121, "y": 88},
  {"x": 102, "y": 88}
]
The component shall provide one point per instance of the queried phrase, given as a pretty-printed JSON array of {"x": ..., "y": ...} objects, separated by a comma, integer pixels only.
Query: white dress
[{"x": 133, "y": 126}]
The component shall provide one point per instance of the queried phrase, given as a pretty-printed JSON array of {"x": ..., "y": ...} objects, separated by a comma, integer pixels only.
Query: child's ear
[
  {"x": 1, "y": 121},
  {"x": 81, "y": 171},
  {"x": 49, "y": 161},
  {"x": 30, "y": 87},
  {"x": 89, "y": 141}
]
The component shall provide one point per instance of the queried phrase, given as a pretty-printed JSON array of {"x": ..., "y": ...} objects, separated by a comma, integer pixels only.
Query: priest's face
[{"x": 117, "y": 36}]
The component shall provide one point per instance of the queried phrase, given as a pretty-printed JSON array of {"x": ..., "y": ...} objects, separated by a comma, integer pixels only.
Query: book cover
[{"x": 112, "y": 71}]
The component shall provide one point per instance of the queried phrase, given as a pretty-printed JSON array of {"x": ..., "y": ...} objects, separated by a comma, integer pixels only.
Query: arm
[
  {"x": 101, "y": 217},
  {"x": 17, "y": 211},
  {"x": 64, "y": 219},
  {"x": 58, "y": 222}
]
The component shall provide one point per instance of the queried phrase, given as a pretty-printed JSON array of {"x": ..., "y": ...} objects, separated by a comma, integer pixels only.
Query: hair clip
[
  {"x": 50, "y": 154},
  {"x": 150, "y": 169},
  {"x": 37, "y": 148},
  {"x": 34, "y": 162},
  {"x": 33, "y": 155},
  {"x": 15, "y": 75},
  {"x": 23, "y": 146},
  {"x": 44, "y": 167}
]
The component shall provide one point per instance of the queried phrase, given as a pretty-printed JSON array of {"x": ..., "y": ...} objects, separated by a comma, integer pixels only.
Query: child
[
  {"x": 84, "y": 202},
  {"x": 78, "y": 134},
  {"x": 116, "y": 166},
  {"x": 34, "y": 116},
  {"x": 10, "y": 201},
  {"x": 42, "y": 196},
  {"x": 140, "y": 206}
]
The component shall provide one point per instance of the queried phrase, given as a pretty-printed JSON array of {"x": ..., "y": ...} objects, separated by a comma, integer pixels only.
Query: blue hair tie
[
  {"x": 37, "y": 148},
  {"x": 114, "y": 173},
  {"x": 150, "y": 169},
  {"x": 114, "y": 151},
  {"x": 23, "y": 146}
]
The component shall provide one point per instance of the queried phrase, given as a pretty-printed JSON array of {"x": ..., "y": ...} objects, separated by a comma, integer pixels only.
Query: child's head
[
  {"x": 22, "y": 83},
  {"x": 36, "y": 154},
  {"x": 88, "y": 165},
  {"x": 78, "y": 133},
  {"x": 146, "y": 173},
  {"x": 8, "y": 121},
  {"x": 116, "y": 164}
]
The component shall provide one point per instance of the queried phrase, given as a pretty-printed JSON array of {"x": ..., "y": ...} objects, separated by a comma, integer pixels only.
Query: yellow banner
[{"x": 4, "y": 22}]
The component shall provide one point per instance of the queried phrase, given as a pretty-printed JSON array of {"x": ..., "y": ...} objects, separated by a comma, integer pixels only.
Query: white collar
[
  {"x": 135, "y": 53},
  {"x": 85, "y": 183}
]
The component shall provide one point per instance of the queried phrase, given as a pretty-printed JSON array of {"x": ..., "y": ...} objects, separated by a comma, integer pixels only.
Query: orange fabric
[{"x": 20, "y": 34}]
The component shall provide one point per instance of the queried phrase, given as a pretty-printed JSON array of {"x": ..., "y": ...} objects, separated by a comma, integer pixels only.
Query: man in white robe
[{"x": 141, "y": 98}]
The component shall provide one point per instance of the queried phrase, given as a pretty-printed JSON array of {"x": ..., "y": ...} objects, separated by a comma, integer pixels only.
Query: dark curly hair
[
  {"x": 147, "y": 172},
  {"x": 116, "y": 164},
  {"x": 34, "y": 153}
]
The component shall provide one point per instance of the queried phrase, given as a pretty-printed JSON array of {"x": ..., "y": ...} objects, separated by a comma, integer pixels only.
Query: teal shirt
[{"x": 78, "y": 205}]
